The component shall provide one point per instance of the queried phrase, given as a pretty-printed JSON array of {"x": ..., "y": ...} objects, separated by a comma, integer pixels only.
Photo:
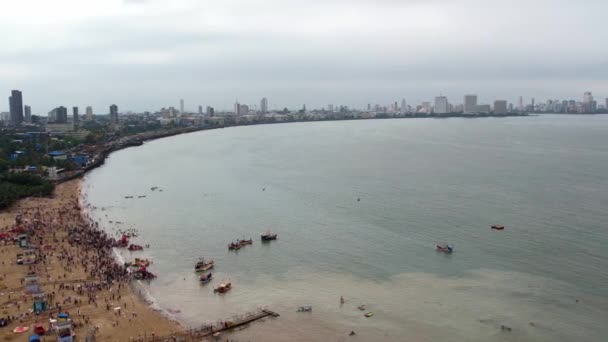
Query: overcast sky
[{"x": 144, "y": 54}]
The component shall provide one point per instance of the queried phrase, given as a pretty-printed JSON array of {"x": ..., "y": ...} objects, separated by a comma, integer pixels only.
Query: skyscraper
[
  {"x": 237, "y": 108},
  {"x": 470, "y": 104},
  {"x": 521, "y": 104},
  {"x": 114, "y": 114},
  {"x": 200, "y": 110},
  {"x": 403, "y": 106},
  {"x": 500, "y": 107},
  {"x": 441, "y": 105},
  {"x": 181, "y": 106},
  {"x": 28, "y": 113},
  {"x": 59, "y": 115},
  {"x": 15, "y": 102},
  {"x": 89, "y": 113},
  {"x": 264, "y": 105},
  {"x": 75, "y": 117}
]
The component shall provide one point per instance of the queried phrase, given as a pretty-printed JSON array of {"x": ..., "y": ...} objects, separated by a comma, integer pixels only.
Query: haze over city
[{"x": 147, "y": 54}]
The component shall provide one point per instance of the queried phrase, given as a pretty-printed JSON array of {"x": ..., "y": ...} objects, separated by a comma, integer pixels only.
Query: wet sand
[{"x": 62, "y": 268}]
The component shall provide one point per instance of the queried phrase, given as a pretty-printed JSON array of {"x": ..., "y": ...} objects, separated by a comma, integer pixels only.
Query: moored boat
[
  {"x": 223, "y": 288},
  {"x": 203, "y": 265},
  {"x": 246, "y": 242},
  {"x": 234, "y": 246},
  {"x": 135, "y": 248},
  {"x": 268, "y": 236},
  {"x": 445, "y": 248},
  {"x": 497, "y": 227},
  {"x": 205, "y": 278}
]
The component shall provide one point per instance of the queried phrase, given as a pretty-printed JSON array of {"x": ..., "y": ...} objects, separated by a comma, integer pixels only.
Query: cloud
[{"x": 295, "y": 52}]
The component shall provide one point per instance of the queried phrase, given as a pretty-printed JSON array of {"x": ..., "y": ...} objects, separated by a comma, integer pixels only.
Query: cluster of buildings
[{"x": 58, "y": 119}]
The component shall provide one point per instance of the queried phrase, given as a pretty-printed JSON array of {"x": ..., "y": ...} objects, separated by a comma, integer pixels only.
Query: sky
[{"x": 147, "y": 54}]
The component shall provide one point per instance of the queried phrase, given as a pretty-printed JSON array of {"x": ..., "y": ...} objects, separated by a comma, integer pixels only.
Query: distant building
[
  {"x": 483, "y": 109},
  {"x": 75, "y": 117},
  {"x": 521, "y": 104},
  {"x": 114, "y": 114},
  {"x": 264, "y": 105},
  {"x": 89, "y": 113},
  {"x": 500, "y": 107},
  {"x": 15, "y": 102},
  {"x": 470, "y": 104},
  {"x": 210, "y": 111},
  {"x": 510, "y": 108},
  {"x": 58, "y": 115},
  {"x": 403, "y": 107},
  {"x": 441, "y": 105},
  {"x": 330, "y": 108},
  {"x": 28, "y": 113},
  {"x": 200, "y": 110},
  {"x": 181, "y": 106}
]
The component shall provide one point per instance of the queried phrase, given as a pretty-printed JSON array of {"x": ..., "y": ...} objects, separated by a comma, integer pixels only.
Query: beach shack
[
  {"x": 63, "y": 327},
  {"x": 39, "y": 302},
  {"x": 31, "y": 283},
  {"x": 22, "y": 240}
]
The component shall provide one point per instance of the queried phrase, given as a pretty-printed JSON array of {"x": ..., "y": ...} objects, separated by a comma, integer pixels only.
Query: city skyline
[{"x": 355, "y": 53}]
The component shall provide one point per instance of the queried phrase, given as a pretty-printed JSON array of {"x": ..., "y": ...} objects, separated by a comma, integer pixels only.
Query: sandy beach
[{"x": 76, "y": 277}]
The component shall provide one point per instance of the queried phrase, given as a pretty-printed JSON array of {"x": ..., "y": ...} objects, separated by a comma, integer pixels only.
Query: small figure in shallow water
[{"x": 341, "y": 300}]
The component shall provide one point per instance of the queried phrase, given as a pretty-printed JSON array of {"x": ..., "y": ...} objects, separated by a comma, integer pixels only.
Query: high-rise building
[
  {"x": 500, "y": 107},
  {"x": 470, "y": 104},
  {"x": 58, "y": 115},
  {"x": 181, "y": 106},
  {"x": 510, "y": 108},
  {"x": 607, "y": 103},
  {"x": 441, "y": 105},
  {"x": 200, "y": 110},
  {"x": 521, "y": 104},
  {"x": 264, "y": 105},
  {"x": 403, "y": 106},
  {"x": 75, "y": 117},
  {"x": 588, "y": 102},
  {"x": 89, "y": 113},
  {"x": 28, "y": 113},
  {"x": 114, "y": 114},
  {"x": 15, "y": 102},
  {"x": 330, "y": 108},
  {"x": 210, "y": 111}
]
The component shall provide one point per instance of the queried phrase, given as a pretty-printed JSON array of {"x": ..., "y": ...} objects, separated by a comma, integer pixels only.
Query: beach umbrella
[{"x": 20, "y": 329}]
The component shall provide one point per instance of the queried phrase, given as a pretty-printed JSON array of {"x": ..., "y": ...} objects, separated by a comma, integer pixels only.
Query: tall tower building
[
  {"x": 75, "y": 117},
  {"x": 89, "y": 113},
  {"x": 114, "y": 114},
  {"x": 237, "y": 108},
  {"x": 264, "y": 106},
  {"x": 470, "y": 104},
  {"x": 200, "y": 110},
  {"x": 15, "y": 102},
  {"x": 181, "y": 106},
  {"x": 403, "y": 106},
  {"x": 500, "y": 107},
  {"x": 28, "y": 113},
  {"x": 441, "y": 105}
]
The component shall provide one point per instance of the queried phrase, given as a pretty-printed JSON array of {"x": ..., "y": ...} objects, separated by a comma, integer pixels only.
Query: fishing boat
[
  {"x": 369, "y": 314},
  {"x": 135, "y": 248},
  {"x": 246, "y": 242},
  {"x": 305, "y": 308},
  {"x": 234, "y": 246},
  {"x": 223, "y": 288},
  {"x": 268, "y": 236},
  {"x": 138, "y": 263},
  {"x": 128, "y": 196},
  {"x": 444, "y": 249},
  {"x": 203, "y": 265},
  {"x": 205, "y": 278},
  {"x": 497, "y": 227}
]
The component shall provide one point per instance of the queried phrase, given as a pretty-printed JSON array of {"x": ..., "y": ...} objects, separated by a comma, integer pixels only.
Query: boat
[
  {"x": 445, "y": 248},
  {"x": 138, "y": 263},
  {"x": 234, "y": 246},
  {"x": 128, "y": 196},
  {"x": 135, "y": 248},
  {"x": 361, "y": 307},
  {"x": 143, "y": 274},
  {"x": 369, "y": 314},
  {"x": 268, "y": 236},
  {"x": 305, "y": 308},
  {"x": 498, "y": 227},
  {"x": 205, "y": 278},
  {"x": 203, "y": 265},
  {"x": 223, "y": 288},
  {"x": 142, "y": 196},
  {"x": 246, "y": 242}
]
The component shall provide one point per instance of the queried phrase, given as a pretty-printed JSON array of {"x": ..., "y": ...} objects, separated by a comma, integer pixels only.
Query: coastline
[{"x": 61, "y": 268}]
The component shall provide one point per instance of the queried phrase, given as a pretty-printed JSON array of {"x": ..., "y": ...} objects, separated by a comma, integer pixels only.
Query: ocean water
[{"x": 358, "y": 207}]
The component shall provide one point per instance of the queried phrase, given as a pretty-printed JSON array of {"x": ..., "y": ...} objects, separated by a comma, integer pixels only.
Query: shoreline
[{"x": 71, "y": 275}]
